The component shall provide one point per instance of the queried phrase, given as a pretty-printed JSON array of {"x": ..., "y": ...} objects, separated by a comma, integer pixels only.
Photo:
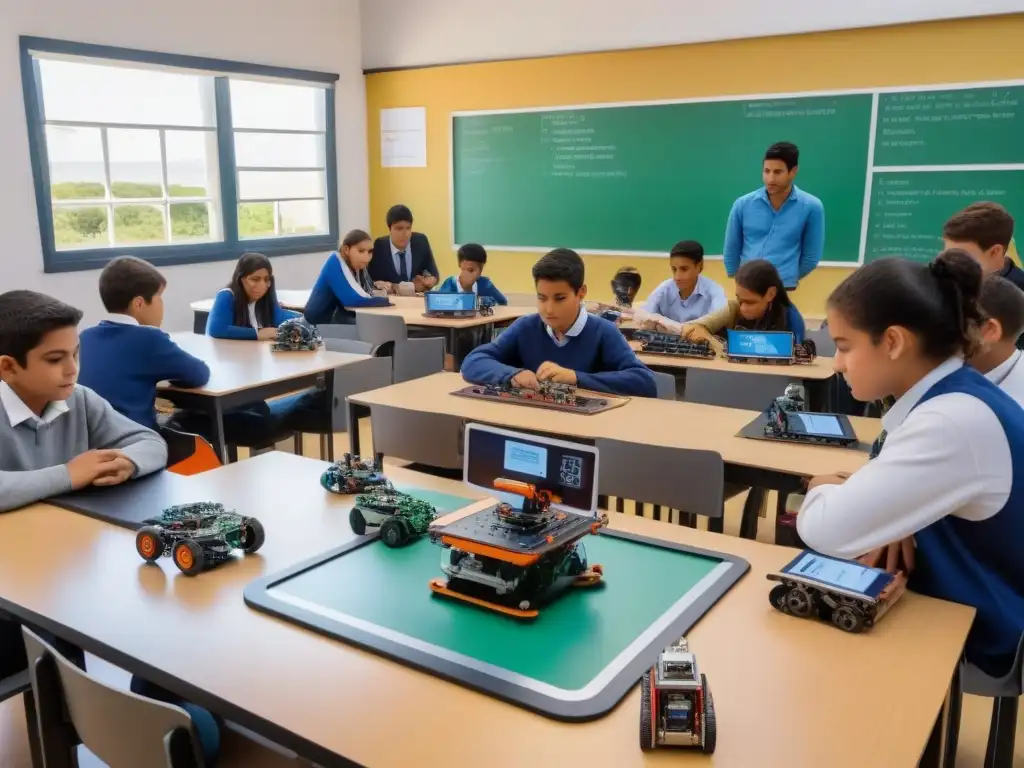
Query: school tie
[
  {"x": 876, "y": 447},
  {"x": 403, "y": 272}
]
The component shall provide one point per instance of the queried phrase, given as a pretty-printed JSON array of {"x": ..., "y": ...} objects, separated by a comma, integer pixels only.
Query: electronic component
[
  {"x": 783, "y": 422},
  {"x": 767, "y": 347},
  {"x": 355, "y": 475},
  {"x": 198, "y": 536},
  {"x": 654, "y": 343},
  {"x": 449, "y": 304},
  {"x": 399, "y": 516},
  {"x": 297, "y": 335},
  {"x": 676, "y": 708}
]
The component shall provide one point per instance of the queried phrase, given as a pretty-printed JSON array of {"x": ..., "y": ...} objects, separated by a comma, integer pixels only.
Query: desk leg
[
  {"x": 355, "y": 412},
  {"x": 819, "y": 395},
  {"x": 329, "y": 413},
  {"x": 940, "y": 751},
  {"x": 199, "y": 322},
  {"x": 753, "y": 508},
  {"x": 220, "y": 444}
]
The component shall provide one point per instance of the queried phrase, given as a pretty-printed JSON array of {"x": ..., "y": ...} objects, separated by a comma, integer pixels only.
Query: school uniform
[
  {"x": 707, "y": 297},
  {"x": 1009, "y": 376},
  {"x": 393, "y": 265},
  {"x": 221, "y": 322},
  {"x": 338, "y": 291},
  {"x": 482, "y": 286},
  {"x": 951, "y": 473}
]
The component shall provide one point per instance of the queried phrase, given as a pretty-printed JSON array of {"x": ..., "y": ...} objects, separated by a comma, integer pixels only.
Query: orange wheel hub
[
  {"x": 183, "y": 555},
  {"x": 147, "y": 546}
]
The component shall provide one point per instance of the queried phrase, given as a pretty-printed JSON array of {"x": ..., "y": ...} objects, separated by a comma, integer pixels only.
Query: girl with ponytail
[{"x": 947, "y": 487}]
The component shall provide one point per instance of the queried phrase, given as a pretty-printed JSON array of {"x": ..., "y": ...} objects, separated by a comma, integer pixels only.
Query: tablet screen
[
  {"x": 450, "y": 302},
  {"x": 760, "y": 343},
  {"x": 837, "y": 573},
  {"x": 815, "y": 424}
]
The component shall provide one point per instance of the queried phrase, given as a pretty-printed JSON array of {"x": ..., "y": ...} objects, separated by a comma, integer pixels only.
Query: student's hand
[
  {"x": 553, "y": 372},
  {"x": 266, "y": 334},
  {"x": 898, "y": 557},
  {"x": 383, "y": 285},
  {"x": 650, "y": 325},
  {"x": 121, "y": 470},
  {"x": 837, "y": 479},
  {"x": 429, "y": 281},
  {"x": 526, "y": 380},
  {"x": 87, "y": 467},
  {"x": 693, "y": 332}
]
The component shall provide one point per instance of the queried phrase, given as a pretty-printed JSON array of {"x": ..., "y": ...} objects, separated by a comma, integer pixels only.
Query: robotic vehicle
[
  {"x": 485, "y": 305},
  {"x": 654, "y": 343},
  {"x": 676, "y": 708},
  {"x": 297, "y": 335},
  {"x": 198, "y": 536},
  {"x": 355, "y": 475},
  {"x": 399, "y": 516}
]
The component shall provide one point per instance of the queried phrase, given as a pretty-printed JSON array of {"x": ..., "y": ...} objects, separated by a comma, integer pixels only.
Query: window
[{"x": 176, "y": 159}]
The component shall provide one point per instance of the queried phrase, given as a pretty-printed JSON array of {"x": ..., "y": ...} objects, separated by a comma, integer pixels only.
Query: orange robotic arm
[{"x": 528, "y": 491}]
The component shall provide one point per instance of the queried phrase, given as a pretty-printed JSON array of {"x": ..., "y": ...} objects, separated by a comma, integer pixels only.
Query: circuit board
[
  {"x": 582, "y": 404},
  {"x": 652, "y": 343},
  {"x": 486, "y": 527}
]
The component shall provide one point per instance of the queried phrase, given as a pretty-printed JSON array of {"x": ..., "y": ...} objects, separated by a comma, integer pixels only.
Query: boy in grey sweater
[{"x": 56, "y": 436}]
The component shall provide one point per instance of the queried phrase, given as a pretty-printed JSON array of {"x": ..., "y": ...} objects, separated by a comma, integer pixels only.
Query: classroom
[{"x": 548, "y": 369}]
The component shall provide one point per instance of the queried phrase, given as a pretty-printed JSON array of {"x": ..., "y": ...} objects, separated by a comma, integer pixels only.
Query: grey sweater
[{"x": 34, "y": 456}]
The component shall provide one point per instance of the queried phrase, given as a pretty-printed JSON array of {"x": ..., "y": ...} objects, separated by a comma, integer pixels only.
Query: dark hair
[
  {"x": 984, "y": 224},
  {"x": 560, "y": 264},
  {"x": 472, "y": 252},
  {"x": 26, "y": 317},
  {"x": 397, "y": 213},
  {"x": 784, "y": 151},
  {"x": 355, "y": 237},
  {"x": 757, "y": 276},
  {"x": 247, "y": 264},
  {"x": 1003, "y": 301},
  {"x": 938, "y": 302},
  {"x": 125, "y": 278},
  {"x": 691, "y": 249}
]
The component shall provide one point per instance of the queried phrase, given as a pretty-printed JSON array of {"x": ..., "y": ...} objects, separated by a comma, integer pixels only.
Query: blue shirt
[
  {"x": 598, "y": 353},
  {"x": 336, "y": 292},
  {"x": 123, "y": 362},
  {"x": 221, "y": 322},
  {"x": 707, "y": 297},
  {"x": 482, "y": 287},
  {"x": 792, "y": 238}
]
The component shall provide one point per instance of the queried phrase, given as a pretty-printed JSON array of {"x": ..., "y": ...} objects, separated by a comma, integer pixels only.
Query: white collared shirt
[
  {"x": 1009, "y": 377},
  {"x": 121, "y": 319},
  {"x": 252, "y": 316},
  {"x": 408, "y": 260},
  {"x": 948, "y": 456},
  {"x": 472, "y": 288},
  {"x": 665, "y": 301},
  {"x": 574, "y": 330},
  {"x": 19, "y": 413}
]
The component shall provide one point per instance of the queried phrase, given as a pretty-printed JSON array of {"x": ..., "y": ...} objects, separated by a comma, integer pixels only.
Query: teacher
[{"x": 778, "y": 222}]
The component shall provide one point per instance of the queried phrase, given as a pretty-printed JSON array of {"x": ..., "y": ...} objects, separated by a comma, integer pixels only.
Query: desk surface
[
  {"x": 819, "y": 370},
  {"x": 238, "y": 365},
  {"x": 765, "y": 669},
  {"x": 668, "y": 423}
]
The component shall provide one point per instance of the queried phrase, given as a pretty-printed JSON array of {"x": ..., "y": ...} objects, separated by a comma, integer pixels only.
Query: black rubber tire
[
  {"x": 777, "y": 597},
  {"x": 710, "y": 726},
  {"x": 800, "y": 602},
  {"x": 157, "y": 536},
  {"x": 848, "y": 619},
  {"x": 254, "y": 536},
  {"x": 646, "y": 722},
  {"x": 392, "y": 533},
  {"x": 357, "y": 521},
  {"x": 198, "y": 557}
]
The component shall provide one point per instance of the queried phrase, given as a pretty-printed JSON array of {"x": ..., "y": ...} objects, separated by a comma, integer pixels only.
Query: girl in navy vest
[{"x": 950, "y": 470}]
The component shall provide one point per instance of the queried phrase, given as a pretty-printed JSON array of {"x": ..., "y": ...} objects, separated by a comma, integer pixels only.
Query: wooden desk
[
  {"x": 243, "y": 372},
  {"x": 330, "y": 702},
  {"x": 294, "y": 300}
]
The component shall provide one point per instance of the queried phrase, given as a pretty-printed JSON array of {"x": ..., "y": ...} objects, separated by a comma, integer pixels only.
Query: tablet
[
  {"x": 825, "y": 426},
  {"x": 843, "y": 575},
  {"x": 449, "y": 302},
  {"x": 766, "y": 345}
]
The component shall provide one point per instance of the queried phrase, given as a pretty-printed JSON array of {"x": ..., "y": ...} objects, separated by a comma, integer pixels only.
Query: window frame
[{"x": 231, "y": 246}]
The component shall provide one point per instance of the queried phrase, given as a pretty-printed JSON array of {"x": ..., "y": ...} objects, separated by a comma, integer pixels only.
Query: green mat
[
  {"x": 566, "y": 646},
  {"x": 444, "y": 503}
]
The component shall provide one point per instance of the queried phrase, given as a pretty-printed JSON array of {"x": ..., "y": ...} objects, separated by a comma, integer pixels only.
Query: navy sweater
[
  {"x": 484, "y": 287},
  {"x": 123, "y": 364},
  {"x": 599, "y": 355},
  {"x": 337, "y": 291},
  {"x": 221, "y": 322}
]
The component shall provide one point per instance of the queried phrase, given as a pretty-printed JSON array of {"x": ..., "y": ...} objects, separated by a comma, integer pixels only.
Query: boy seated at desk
[
  {"x": 126, "y": 356},
  {"x": 472, "y": 258},
  {"x": 1002, "y": 304},
  {"x": 57, "y": 436},
  {"x": 403, "y": 261},
  {"x": 684, "y": 297},
  {"x": 562, "y": 343}
]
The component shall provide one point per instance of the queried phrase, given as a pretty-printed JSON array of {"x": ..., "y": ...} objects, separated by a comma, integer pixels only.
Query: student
[
  {"x": 344, "y": 283},
  {"x": 562, "y": 343},
  {"x": 761, "y": 303},
  {"x": 688, "y": 295},
  {"x": 950, "y": 472},
  {"x": 403, "y": 256},
  {"x": 1002, "y": 304},
  {"x": 126, "y": 356},
  {"x": 470, "y": 279},
  {"x": 247, "y": 309},
  {"x": 984, "y": 230}
]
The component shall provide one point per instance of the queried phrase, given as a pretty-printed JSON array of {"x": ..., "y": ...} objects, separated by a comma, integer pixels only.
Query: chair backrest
[
  {"x": 360, "y": 376},
  {"x": 350, "y": 345},
  {"x": 419, "y": 436},
  {"x": 823, "y": 342},
  {"x": 666, "y": 384},
  {"x": 338, "y": 331},
  {"x": 122, "y": 729},
  {"x": 977, "y": 683},
  {"x": 688, "y": 480},
  {"x": 754, "y": 391},
  {"x": 376, "y": 328},
  {"x": 416, "y": 358},
  {"x": 188, "y": 454},
  {"x": 521, "y": 299}
]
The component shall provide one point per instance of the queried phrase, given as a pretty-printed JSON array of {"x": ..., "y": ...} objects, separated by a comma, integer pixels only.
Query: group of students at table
[{"x": 944, "y": 495}]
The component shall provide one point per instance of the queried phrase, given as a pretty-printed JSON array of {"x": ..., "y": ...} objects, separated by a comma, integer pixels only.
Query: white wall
[
  {"x": 405, "y": 33},
  {"x": 320, "y": 35}
]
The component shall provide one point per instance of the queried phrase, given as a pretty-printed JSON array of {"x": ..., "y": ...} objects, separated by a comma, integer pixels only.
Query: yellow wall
[{"x": 918, "y": 54}]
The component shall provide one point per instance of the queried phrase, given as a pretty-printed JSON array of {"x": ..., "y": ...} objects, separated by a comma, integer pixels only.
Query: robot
[
  {"x": 654, "y": 343},
  {"x": 805, "y": 352},
  {"x": 485, "y": 305},
  {"x": 198, "y": 536},
  {"x": 792, "y": 399},
  {"x": 297, "y": 335},
  {"x": 355, "y": 475},
  {"x": 626, "y": 285},
  {"x": 512, "y": 559},
  {"x": 400, "y": 517},
  {"x": 676, "y": 708},
  {"x": 848, "y": 610}
]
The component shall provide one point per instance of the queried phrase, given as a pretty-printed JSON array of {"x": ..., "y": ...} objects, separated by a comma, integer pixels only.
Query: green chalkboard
[
  {"x": 640, "y": 178},
  {"x": 908, "y": 208},
  {"x": 955, "y": 127}
]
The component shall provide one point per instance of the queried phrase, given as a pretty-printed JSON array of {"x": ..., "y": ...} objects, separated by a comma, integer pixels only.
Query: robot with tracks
[{"x": 676, "y": 708}]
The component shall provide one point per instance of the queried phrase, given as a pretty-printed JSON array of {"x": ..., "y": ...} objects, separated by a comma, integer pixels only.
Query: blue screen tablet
[
  {"x": 844, "y": 574},
  {"x": 450, "y": 302},
  {"x": 766, "y": 344}
]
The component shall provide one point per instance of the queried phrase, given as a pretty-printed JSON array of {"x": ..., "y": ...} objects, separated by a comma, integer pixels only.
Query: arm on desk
[
  {"x": 173, "y": 364},
  {"x": 623, "y": 372},
  {"x": 281, "y": 315},
  {"x": 497, "y": 362},
  {"x": 18, "y": 489},
  {"x": 220, "y": 323},
  {"x": 109, "y": 429}
]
